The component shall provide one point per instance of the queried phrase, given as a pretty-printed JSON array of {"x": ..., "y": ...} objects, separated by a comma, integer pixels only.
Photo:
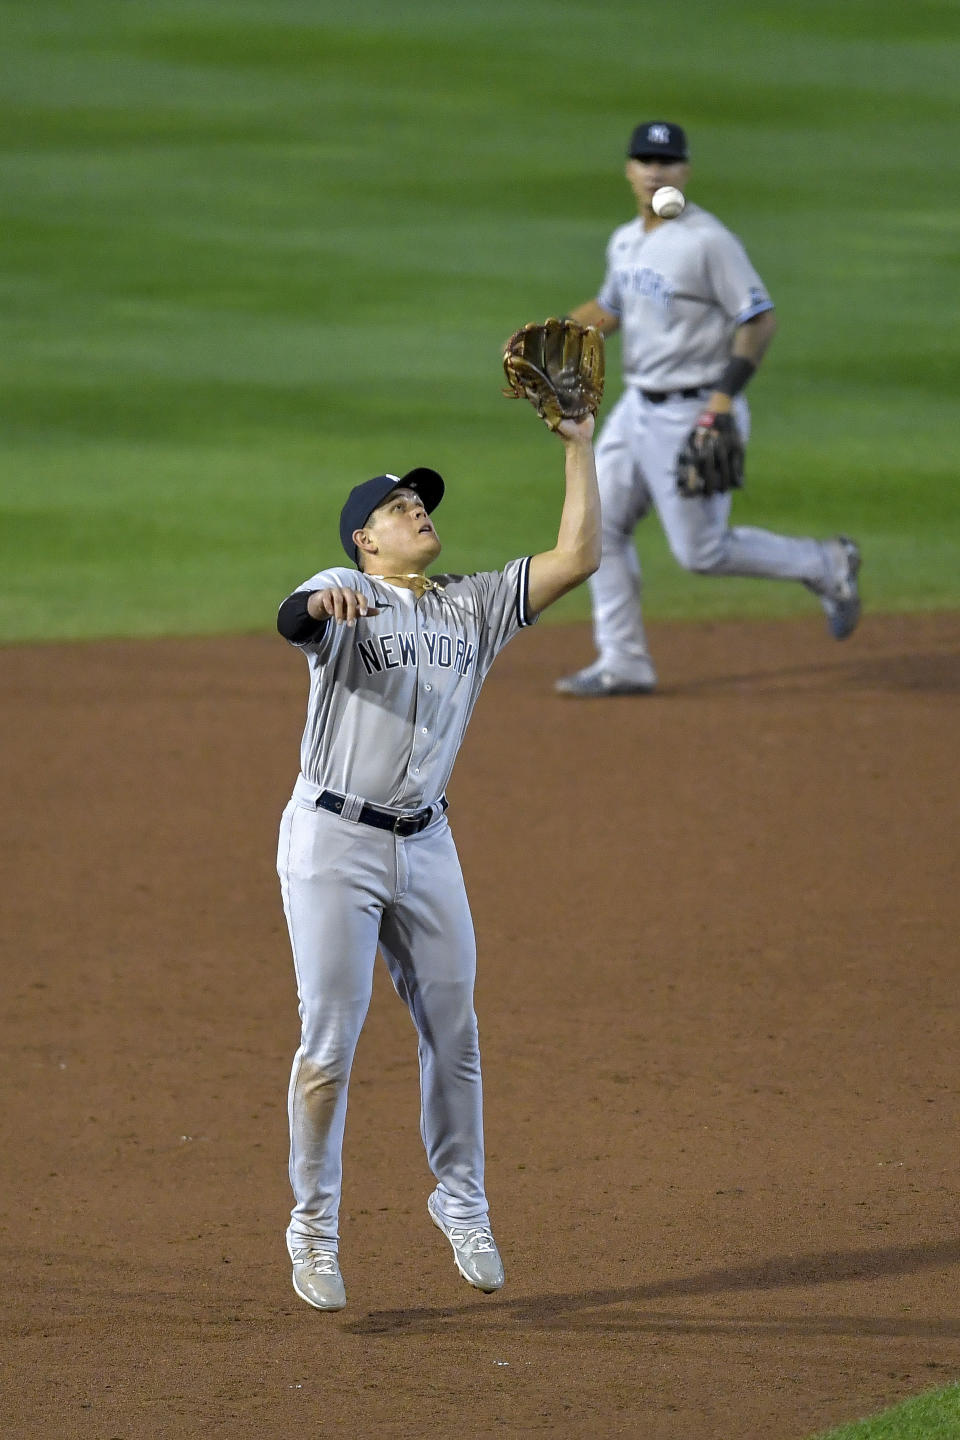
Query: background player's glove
[
  {"x": 559, "y": 367},
  {"x": 711, "y": 460}
]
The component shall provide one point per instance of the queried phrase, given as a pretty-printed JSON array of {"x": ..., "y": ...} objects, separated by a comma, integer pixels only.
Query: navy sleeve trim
[
  {"x": 615, "y": 310},
  {"x": 295, "y": 622},
  {"x": 523, "y": 594},
  {"x": 751, "y": 314}
]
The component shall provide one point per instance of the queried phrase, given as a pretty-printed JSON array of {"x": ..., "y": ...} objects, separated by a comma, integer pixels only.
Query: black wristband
[
  {"x": 736, "y": 373},
  {"x": 295, "y": 622}
]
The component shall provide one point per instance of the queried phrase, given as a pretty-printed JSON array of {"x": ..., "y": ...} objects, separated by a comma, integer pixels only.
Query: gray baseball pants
[
  {"x": 636, "y": 469},
  {"x": 346, "y": 889}
]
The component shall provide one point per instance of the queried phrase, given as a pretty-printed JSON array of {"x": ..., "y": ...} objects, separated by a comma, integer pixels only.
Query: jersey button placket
[
  {"x": 425, "y": 711},
  {"x": 426, "y": 723}
]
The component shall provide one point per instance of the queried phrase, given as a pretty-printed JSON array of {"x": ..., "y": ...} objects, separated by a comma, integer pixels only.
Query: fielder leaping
[{"x": 366, "y": 856}]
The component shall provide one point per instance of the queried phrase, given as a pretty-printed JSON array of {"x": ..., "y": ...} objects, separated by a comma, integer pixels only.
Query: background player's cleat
[
  {"x": 474, "y": 1250},
  {"x": 595, "y": 682},
  {"x": 841, "y": 603},
  {"x": 316, "y": 1276}
]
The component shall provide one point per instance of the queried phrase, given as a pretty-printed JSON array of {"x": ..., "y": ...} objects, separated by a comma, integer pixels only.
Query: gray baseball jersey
[
  {"x": 679, "y": 292},
  {"x": 390, "y": 697}
]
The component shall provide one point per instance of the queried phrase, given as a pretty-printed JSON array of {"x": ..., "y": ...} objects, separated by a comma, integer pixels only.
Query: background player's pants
[
  {"x": 636, "y": 468},
  {"x": 347, "y": 887}
]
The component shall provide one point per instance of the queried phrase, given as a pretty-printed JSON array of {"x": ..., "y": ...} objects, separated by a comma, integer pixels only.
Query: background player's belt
[
  {"x": 657, "y": 397},
  {"x": 401, "y": 825}
]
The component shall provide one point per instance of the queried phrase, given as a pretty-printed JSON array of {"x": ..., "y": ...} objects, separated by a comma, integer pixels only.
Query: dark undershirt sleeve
[{"x": 294, "y": 621}]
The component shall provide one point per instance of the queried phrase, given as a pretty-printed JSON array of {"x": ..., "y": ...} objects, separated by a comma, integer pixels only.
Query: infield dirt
[{"x": 718, "y": 1009}]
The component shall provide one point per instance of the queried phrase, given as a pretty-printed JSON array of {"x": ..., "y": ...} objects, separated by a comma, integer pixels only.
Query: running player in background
[
  {"x": 696, "y": 320},
  {"x": 366, "y": 856}
]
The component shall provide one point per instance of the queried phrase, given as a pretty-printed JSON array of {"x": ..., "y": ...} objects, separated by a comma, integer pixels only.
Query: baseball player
[
  {"x": 366, "y": 856},
  {"x": 696, "y": 320}
]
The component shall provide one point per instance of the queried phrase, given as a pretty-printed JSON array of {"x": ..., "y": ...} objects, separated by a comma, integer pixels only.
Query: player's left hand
[{"x": 559, "y": 367}]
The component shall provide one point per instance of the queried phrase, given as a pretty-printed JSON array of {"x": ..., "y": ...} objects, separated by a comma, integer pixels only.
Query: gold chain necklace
[{"x": 419, "y": 584}]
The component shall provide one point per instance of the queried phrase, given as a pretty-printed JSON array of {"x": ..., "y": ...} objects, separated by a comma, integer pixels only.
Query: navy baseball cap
[
  {"x": 660, "y": 139},
  {"x": 364, "y": 499}
]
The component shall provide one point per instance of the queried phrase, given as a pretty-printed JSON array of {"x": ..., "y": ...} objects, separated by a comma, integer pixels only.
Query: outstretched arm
[{"x": 576, "y": 554}]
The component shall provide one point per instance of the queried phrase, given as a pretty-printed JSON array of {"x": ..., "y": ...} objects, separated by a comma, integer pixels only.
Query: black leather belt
[
  {"x": 657, "y": 397},
  {"x": 402, "y": 825}
]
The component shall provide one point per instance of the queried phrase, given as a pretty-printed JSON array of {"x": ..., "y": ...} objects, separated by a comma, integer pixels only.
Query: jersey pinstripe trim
[
  {"x": 313, "y": 734},
  {"x": 524, "y": 617}
]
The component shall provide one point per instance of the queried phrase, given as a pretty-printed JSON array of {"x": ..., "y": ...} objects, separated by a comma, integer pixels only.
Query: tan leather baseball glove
[{"x": 558, "y": 366}]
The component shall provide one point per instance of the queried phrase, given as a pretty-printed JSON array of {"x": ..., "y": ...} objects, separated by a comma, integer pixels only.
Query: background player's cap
[
  {"x": 364, "y": 499},
  {"x": 659, "y": 138}
]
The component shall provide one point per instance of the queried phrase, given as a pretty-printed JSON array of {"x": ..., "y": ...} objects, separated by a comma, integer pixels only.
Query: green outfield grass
[
  {"x": 935, "y": 1416},
  {"x": 254, "y": 251}
]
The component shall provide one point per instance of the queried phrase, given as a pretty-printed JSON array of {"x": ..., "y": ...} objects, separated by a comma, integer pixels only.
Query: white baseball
[{"x": 668, "y": 202}]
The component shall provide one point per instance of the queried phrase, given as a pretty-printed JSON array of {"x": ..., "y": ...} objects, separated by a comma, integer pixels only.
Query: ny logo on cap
[{"x": 659, "y": 134}]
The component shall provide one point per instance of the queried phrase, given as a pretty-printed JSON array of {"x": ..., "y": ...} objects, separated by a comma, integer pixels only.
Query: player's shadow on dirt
[
  {"x": 628, "y": 1307},
  {"x": 937, "y": 673}
]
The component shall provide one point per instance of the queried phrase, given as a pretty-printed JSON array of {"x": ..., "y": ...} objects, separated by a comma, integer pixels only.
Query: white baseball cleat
[
  {"x": 594, "y": 682},
  {"x": 316, "y": 1276},
  {"x": 474, "y": 1250}
]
